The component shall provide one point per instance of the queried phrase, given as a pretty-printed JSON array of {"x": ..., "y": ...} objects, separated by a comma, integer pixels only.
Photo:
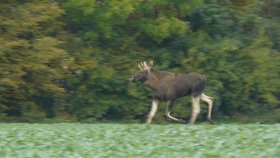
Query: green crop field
[{"x": 76, "y": 140}]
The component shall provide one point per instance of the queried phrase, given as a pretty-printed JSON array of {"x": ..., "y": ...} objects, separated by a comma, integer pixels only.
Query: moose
[{"x": 168, "y": 86}]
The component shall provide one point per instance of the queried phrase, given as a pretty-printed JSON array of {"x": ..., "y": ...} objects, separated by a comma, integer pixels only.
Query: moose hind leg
[
  {"x": 195, "y": 109},
  {"x": 153, "y": 110},
  {"x": 169, "y": 107},
  {"x": 209, "y": 101}
]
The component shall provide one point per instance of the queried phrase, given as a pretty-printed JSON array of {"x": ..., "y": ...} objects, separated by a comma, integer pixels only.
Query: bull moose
[{"x": 168, "y": 86}]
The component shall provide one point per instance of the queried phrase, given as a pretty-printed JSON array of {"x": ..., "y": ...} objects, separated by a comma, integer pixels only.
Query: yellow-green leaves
[
  {"x": 164, "y": 27},
  {"x": 86, "y": 7},
  {"x": 32, "y": 57}
]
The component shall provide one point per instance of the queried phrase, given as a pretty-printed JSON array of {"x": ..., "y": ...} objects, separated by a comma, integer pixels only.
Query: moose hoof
[
  {"x": 211, "y": 121},
  {"x": 182, "y": 121}
]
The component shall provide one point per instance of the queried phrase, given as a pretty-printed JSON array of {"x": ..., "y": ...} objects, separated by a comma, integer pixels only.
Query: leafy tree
[
  {"x": 32, "y": 59},
  {"x": 67, "y": 58}
]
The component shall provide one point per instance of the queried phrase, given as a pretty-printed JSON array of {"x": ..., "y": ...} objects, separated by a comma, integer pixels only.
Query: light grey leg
[
  {"x": 195, "y": 109},
  {"x": 169, "y": 107},
  {"x": 209, "y": 100},
  {"x": 153, "y": 110}
]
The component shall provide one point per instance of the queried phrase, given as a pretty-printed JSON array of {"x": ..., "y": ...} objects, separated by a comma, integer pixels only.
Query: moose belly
[
  {"x": 193, "y": 86},
  {"x": 171, "y": 93}
]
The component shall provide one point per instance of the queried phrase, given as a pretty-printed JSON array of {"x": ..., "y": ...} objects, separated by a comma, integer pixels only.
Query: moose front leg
[
  {"x": 153, "y": 110},
  {"x": 169, "y": 107},
  {"x": 195, "y": 109}
]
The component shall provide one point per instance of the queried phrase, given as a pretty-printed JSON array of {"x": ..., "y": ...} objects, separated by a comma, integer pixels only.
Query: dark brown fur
[{"x": 170, "y": 86}]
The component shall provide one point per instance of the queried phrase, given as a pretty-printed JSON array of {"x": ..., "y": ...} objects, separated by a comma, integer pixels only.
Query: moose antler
[
  {"x": 140, "y": 67},
  {"x": 144, "y": 66}
]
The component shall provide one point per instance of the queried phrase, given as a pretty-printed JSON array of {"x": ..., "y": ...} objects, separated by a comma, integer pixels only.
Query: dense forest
[{"x": 70, "y": 60}]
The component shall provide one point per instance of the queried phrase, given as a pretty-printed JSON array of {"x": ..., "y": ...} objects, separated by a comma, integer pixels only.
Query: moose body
[
  {"x": 176, "y": 86},
  {"x": 169, "y": 86}
]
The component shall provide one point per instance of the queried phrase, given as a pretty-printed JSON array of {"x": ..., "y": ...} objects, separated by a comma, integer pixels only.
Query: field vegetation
[
  {"x": 139, "y": 141},
  {"x": 70, "y": 60}
]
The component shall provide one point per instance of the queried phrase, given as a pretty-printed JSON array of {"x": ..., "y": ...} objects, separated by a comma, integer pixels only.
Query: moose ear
[{"x": 151, "y": 63}]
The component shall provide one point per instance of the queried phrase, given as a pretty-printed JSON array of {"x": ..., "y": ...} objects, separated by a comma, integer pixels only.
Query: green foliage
[
  {"x": 124, "y": 140},
  {"x": 32, "y": 58}
]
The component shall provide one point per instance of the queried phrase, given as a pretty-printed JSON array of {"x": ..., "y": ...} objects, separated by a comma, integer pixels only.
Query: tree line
[{"x": 69, "y": 60}]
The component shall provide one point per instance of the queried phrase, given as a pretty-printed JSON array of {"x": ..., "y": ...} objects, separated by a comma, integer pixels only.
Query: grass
[{"x": 19, "y": 140}]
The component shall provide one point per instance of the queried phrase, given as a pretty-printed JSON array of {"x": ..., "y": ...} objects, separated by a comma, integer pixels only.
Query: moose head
[{"x": 142, "y": 75}]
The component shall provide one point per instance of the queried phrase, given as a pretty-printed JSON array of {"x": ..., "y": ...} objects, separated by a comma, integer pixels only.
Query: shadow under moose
[{"x": 168, "y": 86}]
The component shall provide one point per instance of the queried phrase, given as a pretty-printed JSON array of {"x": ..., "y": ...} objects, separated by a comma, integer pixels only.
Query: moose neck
[{"x": 154, "y": 78}]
